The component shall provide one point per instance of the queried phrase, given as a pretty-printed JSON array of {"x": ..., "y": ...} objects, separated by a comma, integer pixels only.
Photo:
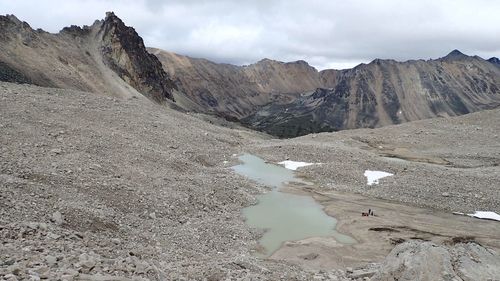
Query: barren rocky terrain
[
  {"x": 141, "y": 191},
  {"x": 443, "y": 163},
  {"x": 283, "y": 99},
  {"x": 98, "y": 188},
  {"x": 108, "y": 173}
]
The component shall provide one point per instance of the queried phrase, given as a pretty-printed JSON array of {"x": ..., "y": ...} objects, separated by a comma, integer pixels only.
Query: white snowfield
[
  {"x": 485, "y": 215},
  {"x": 294, "y": 165},
  {"x": 372, "y": 177}
]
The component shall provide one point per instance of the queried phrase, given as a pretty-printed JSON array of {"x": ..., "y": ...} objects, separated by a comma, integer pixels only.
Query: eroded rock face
[
  {"x": 474, "y": 262},
  {"x": 387, "y": 92},
  {"x": 495, "y": 61},
  {"x": 106, "y": 57},
  {"x": 124, "y": 51},
  {"x": 238, "y": 91},
  {"x": 417, "y": 260},
  {"x": 293, "y": 99},
  {"x": 283, "y": 99},
  {"x": 8, "y": 74}
]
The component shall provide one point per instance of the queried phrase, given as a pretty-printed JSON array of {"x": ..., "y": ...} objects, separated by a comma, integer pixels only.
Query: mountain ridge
[
  {"x": 238, "y": 91},
  {"x": 451, "y": 85},
  {"x": 285, "y": 99},
  {"x": 107, "y": 57},
  {"x": 495, "y": 61},
  {"x": 386, "y": 92}
]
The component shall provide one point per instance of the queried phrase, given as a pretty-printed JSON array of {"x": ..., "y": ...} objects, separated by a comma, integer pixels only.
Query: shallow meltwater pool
[{"x": 284, "y": 216}]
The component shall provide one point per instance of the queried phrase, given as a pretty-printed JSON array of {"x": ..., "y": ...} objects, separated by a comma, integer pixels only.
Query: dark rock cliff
[
  {"x": 495, "y": 61},
  {"x": 124, "y": 51},
  {"x": 237, "y": 91},
  {"x": 107, "y": 57}
]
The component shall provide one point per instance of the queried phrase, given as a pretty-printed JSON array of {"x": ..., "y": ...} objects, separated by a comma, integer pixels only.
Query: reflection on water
[{"x": 284, "y": 216}]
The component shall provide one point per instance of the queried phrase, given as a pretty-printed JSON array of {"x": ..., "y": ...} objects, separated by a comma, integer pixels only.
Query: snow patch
[
  {"x": 485, "y": 215},
  {"x": 294, "y": 165},
  {"x": 372, "y": 177}
]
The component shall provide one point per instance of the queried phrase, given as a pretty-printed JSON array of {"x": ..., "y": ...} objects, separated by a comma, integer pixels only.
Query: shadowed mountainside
[
  {"x": 292, "y": 99},
  {"x": 495, "y": 61},
  {"x": 387, "y": 92},
  {"x": 283, "y": 99},
  {"x": 107, "y": 57},
  {"x": 238, "y": 91}
]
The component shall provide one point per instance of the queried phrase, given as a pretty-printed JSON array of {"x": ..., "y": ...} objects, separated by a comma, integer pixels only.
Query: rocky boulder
[{"x": 417, "y": 260}]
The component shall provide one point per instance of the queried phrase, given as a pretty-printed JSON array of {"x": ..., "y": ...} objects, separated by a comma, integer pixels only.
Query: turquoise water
[
  {"x": 262, "y": 172},
  {"x": 284, "y": 216}
]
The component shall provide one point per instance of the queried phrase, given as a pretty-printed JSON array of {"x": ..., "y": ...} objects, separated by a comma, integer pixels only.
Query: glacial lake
[{"x": 284, "y": 216}]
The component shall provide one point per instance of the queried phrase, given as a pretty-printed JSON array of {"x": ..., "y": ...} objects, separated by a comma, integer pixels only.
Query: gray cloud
[{"x": 326, "y": 33}]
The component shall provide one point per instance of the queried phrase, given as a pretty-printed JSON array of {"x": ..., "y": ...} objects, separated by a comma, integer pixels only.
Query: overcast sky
[{"x": 326, "y": 33}]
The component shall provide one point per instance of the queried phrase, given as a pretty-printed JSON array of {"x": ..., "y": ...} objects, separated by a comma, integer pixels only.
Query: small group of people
[{"x": 370, "y": 213}]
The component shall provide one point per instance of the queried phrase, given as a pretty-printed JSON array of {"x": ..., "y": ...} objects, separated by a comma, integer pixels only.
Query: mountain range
[
  {"x": 386, "y": 92},
  {"x": 107, "y": 58},
  {"x": 283, "y": 99}
]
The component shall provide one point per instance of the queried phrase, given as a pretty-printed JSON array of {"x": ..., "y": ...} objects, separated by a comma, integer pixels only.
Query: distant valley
[
  {"x": 293, "y": 99},
  {"x": 283, "y": 99}
]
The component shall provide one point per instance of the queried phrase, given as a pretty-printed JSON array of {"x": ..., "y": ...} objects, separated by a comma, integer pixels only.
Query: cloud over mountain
[{"x": 326, "y": 33}]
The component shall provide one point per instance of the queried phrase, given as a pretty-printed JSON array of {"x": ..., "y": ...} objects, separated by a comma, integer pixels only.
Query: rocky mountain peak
[
  {"x": 300, "y": 62},
  {"x": 494, "y": 60},
  {"x": 124, "y": 52},
  {"x": 110, "y": 48},
  {"x": 111, "y": 16},
  {"x": 376, "y": 62},
  {"x": 113, "y": 21},
  {"x": 115, "y": 27},
  {"x": 10, "y": 19},
  {"x": 266, "y": 61},
  {"x": 12, "y": 28},
  {"x": 75, "y": 30},
  {"x": 455, "y": 54},
  {"x": 12, "y": 23}
]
